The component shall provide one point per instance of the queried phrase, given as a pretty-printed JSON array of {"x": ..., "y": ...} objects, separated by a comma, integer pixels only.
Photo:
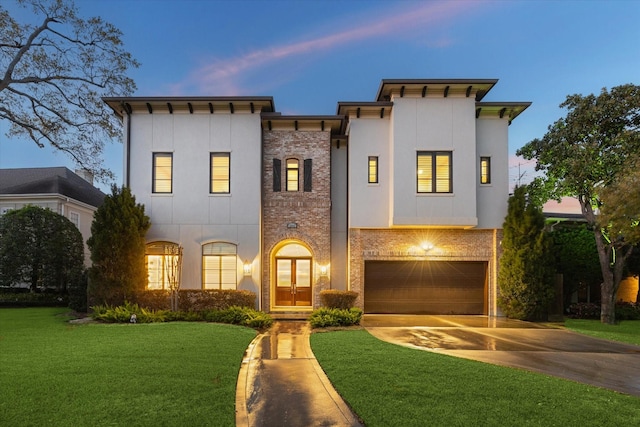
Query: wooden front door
[{"x": 293, "y": 281}]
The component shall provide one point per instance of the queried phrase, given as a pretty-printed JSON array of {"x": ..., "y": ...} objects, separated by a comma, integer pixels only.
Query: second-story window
[
  {"x": 434, "y": 172},
  {"x": 220, "y": 173},
  {"x": 485, "y": 170},
  {"x": 293, "y": 172},
  {"x": 162, "y": 173},
  {"x": 373, "y": 170}
]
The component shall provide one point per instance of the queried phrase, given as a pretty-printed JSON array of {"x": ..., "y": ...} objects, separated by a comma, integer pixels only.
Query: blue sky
[{"x": 309, "y": 55}]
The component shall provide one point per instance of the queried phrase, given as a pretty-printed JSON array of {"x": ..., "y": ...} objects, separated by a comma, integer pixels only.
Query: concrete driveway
[{"x": 549, "y": 349}]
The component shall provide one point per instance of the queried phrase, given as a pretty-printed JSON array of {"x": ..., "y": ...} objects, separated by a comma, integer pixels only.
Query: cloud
[{"x": 223, "y": 75}]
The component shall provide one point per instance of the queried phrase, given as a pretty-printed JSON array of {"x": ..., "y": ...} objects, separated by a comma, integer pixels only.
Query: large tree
[
  {"x": 525, "y": 277},
  {"x": 54, "y": 70},
  {"x": 585, "y": 153},
  {"x": 117, "y": 245},
  {"x": 40, "y": 248}
]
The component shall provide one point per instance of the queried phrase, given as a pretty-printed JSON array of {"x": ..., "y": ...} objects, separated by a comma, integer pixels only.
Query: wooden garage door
[{"x": 425, "y": 287}]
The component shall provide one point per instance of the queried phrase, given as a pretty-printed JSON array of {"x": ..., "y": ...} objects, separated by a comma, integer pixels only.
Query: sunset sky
[{"x": 309, "y": 55}]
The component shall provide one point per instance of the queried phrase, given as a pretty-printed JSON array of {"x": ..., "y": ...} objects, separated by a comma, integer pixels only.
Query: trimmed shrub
[
  {"x": 235, "y": 315},
  {"x": 197, "y": 299},
  {"x": 584, "y": 310},
  {"x": 332, "y": 298},
  {"x": 627, "y": 311},
  {"x": 325, "y": 317},
  {"x": 9, "y": 298}
]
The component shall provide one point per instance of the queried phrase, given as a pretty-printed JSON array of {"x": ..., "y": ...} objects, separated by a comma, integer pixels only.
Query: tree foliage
[
  {"x": 40, "y": 248},
  {"x": 576, "y": 256},
  {"x": 117, "y": 245},
  {"x": 584, "y": 154},
  {"x": 525, "y": 277},
  {"x": 54, "y": 71}
]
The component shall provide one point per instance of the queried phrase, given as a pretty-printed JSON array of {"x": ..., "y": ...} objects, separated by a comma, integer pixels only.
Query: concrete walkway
[{"x": 281, "y": 383}]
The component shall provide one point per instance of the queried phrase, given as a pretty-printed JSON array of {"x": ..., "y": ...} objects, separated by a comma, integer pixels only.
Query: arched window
[
  {"x": 219, "y": 266},
  {"x": 161, "y": 259}
]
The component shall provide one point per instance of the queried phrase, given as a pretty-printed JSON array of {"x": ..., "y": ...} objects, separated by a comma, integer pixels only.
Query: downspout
[{"x": 127, "y": 177}]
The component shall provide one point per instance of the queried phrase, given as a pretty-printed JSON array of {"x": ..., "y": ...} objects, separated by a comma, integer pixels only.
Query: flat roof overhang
[
  {"x": 429, "y": 87},
  {"x": 509, "y": 110},
  {"x": 365, "y": 109},
  {"x": 276, "y": 121},
  {"x": 190, "y": 104}
]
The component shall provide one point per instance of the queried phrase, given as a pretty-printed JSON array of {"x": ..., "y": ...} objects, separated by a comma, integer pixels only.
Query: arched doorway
[{"x": 293, "y": 276}]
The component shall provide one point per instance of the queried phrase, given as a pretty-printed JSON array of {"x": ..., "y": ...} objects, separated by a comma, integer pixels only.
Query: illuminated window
[
  {"x": 485, "y": 170},
  {"x": 220, "y": 173},
  {"x": 434, "y": 172},
  {"x": 163, "y": 264},
  {"x": 293, "y": 172},
  {"x": 373, "y": 169},
  {"x": 219, "y": 266},
  {"x": 162, "y": 172}
]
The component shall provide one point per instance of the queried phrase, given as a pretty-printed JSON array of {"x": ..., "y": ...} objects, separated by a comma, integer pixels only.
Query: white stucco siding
[
  {"x": 369, "y": 203},
  {"x": 190, "y": 215},
  {"x": 434, "y": 124},
  {"x": 492, "y": 198}
]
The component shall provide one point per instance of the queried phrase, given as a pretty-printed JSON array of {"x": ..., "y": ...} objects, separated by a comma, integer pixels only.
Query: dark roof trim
[
  {"x": 481, "y": 86},
  {"x": 122, "y": 105}
]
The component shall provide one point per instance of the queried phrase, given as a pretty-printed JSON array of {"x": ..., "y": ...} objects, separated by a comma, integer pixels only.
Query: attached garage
[{"x": 425, "y": 287}]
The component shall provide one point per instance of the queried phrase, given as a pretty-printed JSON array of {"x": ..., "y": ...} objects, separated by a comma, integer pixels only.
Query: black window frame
[
  {"x": 486, "y": 159},
  {"x": 211, "y": 179},
  {"x": 376, "y": 160},
  {"x": 154, "y": 180},
  {"x": 434, "y": 175}
]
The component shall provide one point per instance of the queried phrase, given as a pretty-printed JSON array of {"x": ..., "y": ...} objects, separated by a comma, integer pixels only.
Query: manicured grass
[
  {"x": 171, "y": 374},
  {"x": 390, "y": 385},
  {"x": 626, "y": 331}
]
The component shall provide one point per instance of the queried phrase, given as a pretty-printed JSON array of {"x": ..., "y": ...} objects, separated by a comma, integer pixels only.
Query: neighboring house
[
  {"x": 56, "y": 188},
  {"x": 401, "y": 199}
]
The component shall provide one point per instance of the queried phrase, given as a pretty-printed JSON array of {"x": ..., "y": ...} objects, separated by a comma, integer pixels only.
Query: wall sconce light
[
  {"x": 324, "y": 270},
  {"x": 426, "y": 246},
  {"x": 246, "y": 268}
]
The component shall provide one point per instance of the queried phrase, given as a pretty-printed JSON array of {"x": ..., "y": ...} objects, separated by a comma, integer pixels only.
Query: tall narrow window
[
  {"x": 308, "y": 173},
  {"x": 161, "y": 259},
  {"x": 293, "y": 172},
  {"x": 373, "y": 170},
  {"x": 219, "y": 266},
  {"x": 162, "y": 173},
  {"x": 277, "y": 182},
  {"x": 220, "y": 173},
  {"x": 434, "y": 172},
  {"x": 485, "y": 170},
  {"x": 74, "y": 217}
]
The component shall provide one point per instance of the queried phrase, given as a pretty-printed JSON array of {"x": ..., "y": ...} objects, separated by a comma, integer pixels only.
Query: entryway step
[{"x": 290, "y": 315}]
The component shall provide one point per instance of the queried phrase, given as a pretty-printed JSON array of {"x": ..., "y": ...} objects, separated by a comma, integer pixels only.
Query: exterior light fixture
[
  {"x": 324, "y": 270},
  {"x": 426, "y": 246},
  {"x": 246, "y": 268}
]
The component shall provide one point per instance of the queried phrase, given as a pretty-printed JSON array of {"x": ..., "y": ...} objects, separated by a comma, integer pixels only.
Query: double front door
[{"x": 293, "y": 281}]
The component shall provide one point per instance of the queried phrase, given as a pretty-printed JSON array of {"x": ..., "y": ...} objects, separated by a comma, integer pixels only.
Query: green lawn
[
  {"x": 626, "y": 331},
  {"x": 170, "y": 374},
  {"x": 390, "y": 385}
]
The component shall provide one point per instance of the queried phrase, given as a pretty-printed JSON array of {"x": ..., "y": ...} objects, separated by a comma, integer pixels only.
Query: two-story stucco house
[{"x": 401, "y": 199}]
